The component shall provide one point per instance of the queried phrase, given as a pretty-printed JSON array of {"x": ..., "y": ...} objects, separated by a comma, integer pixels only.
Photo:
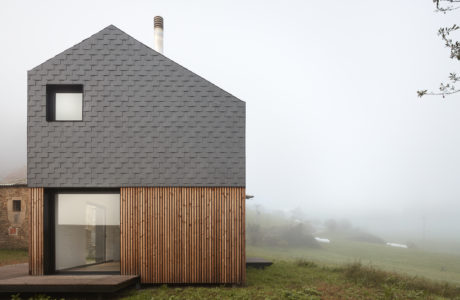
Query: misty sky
[{"x": 334, "y": 125}]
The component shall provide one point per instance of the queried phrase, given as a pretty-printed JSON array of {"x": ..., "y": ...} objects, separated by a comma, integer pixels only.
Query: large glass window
[{"x": 87, "y": 234}]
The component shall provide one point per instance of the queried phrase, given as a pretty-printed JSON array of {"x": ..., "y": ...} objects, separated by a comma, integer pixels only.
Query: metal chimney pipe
[{"x": 158, "y": 34}]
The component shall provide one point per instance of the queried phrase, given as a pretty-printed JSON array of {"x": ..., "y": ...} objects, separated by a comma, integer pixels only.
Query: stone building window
[
  {"x": 12, "y": 231},
  {"x": 16, "y": 205}
]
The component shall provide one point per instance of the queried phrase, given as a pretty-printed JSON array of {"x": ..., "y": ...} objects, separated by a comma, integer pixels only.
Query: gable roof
[
  {"x": 112, "y": 29},
  {"x": 147, "y": 121}
]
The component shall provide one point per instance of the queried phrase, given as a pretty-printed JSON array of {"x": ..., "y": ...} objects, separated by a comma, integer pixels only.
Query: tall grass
[
  {"x": 296, "y": 279},
  {"x": 371, "y": 277}
]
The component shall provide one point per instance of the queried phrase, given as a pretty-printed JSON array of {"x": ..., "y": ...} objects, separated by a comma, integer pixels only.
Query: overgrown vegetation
[
  {"x": 304, "y": 270},
  {"x": 275, "y": 229},
  {"x": 300, "y": 279},
  {"x": 303, "y": 279},
  {"x": 414, "y": 261},
  {"x": 8, "y": 257},
  {"x": 279, "y": 229},
  {"x": 371, "y": 277},
  {"x": 345, "y": 230}
]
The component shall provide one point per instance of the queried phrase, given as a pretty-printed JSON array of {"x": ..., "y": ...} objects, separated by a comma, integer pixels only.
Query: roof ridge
[
  {"x": 113, "y": 27},
  {"x": 77, "y": 44},
  {"x": 173, "y": 61}
]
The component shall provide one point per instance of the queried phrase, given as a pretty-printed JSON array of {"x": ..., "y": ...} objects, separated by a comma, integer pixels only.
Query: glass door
[{"x": 87, "y": 232}]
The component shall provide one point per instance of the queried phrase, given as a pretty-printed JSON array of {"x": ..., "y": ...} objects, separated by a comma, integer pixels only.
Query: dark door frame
[{"x": 49, "y": 228}]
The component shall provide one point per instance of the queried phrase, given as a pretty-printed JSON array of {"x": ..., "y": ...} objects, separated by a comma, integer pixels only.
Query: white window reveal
[{"x": 69, "y": 107}]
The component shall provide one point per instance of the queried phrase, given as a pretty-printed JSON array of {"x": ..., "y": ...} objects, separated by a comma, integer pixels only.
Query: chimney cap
[{"x": 158, "y": 22}]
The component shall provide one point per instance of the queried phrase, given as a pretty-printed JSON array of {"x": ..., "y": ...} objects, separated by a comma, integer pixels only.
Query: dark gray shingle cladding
[{"x": 147, "y": 121}]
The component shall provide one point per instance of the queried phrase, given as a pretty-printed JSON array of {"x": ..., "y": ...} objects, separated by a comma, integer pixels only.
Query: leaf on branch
[
  {"x": 453, "y": 77},
  {"x": 421, "y": 93},
  {"x": 444, "y": 32},
  {"x": 444, "y": 8}
]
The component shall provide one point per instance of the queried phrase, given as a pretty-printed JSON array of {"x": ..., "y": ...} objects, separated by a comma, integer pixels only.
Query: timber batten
[
  {"x": 169, "y": 234},
  {"x": 183, "y": 234},
  {"x": 36, "y": 244},
  {"x": 129, "y": 226}
]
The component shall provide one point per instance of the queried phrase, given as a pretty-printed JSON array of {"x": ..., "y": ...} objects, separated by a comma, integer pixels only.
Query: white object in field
[
  {"x": 321, "y": 240},
  {"x": 158, "y": 34},
  {"x": 397, "y": 245}
]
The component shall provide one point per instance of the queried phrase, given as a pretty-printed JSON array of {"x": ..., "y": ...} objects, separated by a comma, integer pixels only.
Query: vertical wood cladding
[
  {"x": 129, "y": 228},
  {"x": 36, "y": 261},
  {"x": 183, "y": 234}
]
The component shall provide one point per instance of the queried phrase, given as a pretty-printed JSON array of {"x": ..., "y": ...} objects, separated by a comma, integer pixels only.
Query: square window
[
  {"x": 16, "y": 205},
  {"x": 68, "y": 106},
  {"x": 64, "y": 102}
]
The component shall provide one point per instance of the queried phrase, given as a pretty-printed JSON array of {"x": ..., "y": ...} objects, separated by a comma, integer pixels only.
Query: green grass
[
  {"x": 306, "y": 280},
  {"x": 414, "y": 262},
  {"x": 342, "y": 269},
  {"x": 298, "y": 279},
  {"x": 330, "y": 272},
  {"x": 8, "y": 257}
]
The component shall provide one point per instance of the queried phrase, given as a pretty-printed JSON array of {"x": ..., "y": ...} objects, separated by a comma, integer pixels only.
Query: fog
[{"x": 334, "y": 125}]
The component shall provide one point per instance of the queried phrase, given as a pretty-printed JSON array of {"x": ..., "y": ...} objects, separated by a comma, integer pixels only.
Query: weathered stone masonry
[{"x": 14, "y": 225}]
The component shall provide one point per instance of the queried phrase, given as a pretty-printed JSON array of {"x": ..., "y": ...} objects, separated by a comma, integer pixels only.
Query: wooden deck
[
  {"x": 16, "y": 270},
  {"x": 67, "y": 283},
  {"x": 14, "y": 279},
  {"x": 257, "y": 262}
]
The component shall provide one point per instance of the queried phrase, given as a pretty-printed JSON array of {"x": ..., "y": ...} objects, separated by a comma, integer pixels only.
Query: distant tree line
[
  {"x": 293, "y": 229},
  {"x": 277, "y": 230}
]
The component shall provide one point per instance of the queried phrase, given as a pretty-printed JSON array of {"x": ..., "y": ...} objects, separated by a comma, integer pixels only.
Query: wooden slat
[
  {"x": 169, "y": 235},
  {"x": 129, "y": 227},
  {"x": 66, "y": 284},
  {"x": 183, "y": 234},
  {"x": 36, "y": 259}
]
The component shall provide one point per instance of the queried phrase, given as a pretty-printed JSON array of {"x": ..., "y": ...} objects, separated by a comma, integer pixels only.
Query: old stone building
[{"x": 14, "y": 205}]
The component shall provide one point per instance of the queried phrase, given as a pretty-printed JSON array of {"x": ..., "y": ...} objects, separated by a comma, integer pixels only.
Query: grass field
[
  {"x": 329, "y": 272},
  {"x": 342, "y": 269},
  {"x": 414, "y": 262},
  {"x": 8, "y": 257},
  {"x": 297, "y": 279},
  {"x": 305, "y": 280}
]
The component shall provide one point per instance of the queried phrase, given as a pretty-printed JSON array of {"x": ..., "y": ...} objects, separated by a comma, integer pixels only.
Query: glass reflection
[{"x": 87, "y": 232}]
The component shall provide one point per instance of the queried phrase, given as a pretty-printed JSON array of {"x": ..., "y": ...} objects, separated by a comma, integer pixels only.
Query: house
[
  {"x": 14, "y": 202},
  {"x": 136, "y": 166}
]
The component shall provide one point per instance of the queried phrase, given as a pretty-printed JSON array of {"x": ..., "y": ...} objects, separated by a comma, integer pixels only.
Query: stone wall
[{"x": 14, "y": 220}]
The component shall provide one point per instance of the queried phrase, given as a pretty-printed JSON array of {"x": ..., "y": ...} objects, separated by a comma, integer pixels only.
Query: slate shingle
[{"x": 147, "y": 121}]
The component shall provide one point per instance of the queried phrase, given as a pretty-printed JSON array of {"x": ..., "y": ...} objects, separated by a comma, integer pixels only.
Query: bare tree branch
[
  {"x": 448, "y": 88},
  {"x": 445, "y": 89},
  {"x": 444, "y": 94},
  {"x": 454, "y": 46},
  {"x": 446, "y": 5}
]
